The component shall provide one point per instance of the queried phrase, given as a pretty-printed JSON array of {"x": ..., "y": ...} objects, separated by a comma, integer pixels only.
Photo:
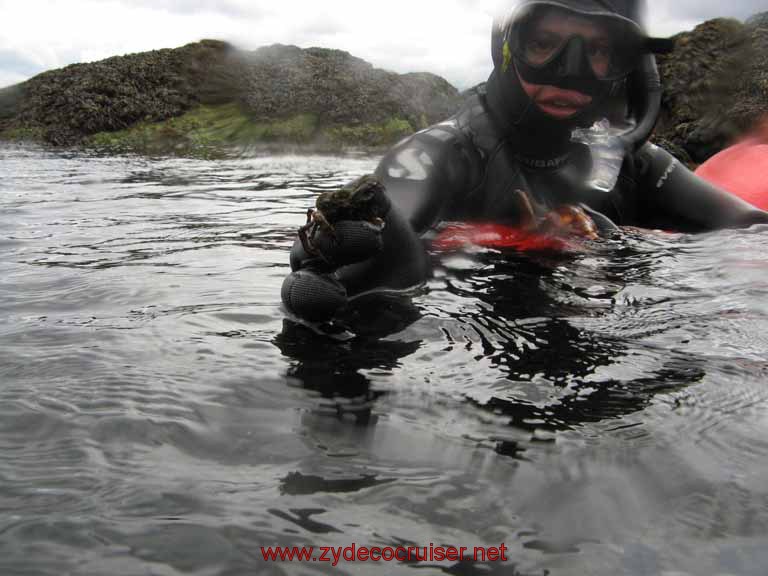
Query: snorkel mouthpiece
[{"x": 609, "y": 144}]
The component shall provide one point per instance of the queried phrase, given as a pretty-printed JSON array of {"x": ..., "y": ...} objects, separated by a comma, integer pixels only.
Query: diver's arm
[
  {"x": 426, "y": 174},
  {"x": 423, "y": 175},
  {"x": 677, "y": 198}
]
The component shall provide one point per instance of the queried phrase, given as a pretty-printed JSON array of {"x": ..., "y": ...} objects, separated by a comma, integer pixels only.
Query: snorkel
[
  {"x": 609, "y": 144},
  {"x": 644, "y": 90}
]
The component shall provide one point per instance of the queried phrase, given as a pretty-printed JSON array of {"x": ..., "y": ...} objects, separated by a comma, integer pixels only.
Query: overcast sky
[{"x": 447, "y": 37}]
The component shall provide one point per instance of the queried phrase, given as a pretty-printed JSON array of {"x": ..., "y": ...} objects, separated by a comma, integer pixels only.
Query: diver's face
[{"x": 550, "y": 32}]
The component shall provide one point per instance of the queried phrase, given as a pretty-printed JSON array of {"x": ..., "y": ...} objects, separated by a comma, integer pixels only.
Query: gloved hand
[
  {"x": 313, "y": 290},
  {"x": 344, "y": 229}
]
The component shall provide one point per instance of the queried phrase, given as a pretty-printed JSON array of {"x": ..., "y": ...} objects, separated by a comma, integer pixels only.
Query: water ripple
[{"x": 602, "y": 412}]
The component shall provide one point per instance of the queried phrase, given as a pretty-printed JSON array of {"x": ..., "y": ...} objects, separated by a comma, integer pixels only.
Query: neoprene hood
[{"x": 634, "y": 95}]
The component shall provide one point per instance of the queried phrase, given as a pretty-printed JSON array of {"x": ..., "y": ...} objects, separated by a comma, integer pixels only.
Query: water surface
[{"x": 601, "y": 413}]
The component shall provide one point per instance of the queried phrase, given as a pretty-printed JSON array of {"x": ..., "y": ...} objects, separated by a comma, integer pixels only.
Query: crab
[
  {"x": 566, "y": 219},
  {"x": 364, "y": 199}
]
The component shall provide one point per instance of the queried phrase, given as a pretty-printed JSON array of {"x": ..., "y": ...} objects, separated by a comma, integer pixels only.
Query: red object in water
[
  {"x": 742, "y": 169},
  {"x": 498, "y": 236}
]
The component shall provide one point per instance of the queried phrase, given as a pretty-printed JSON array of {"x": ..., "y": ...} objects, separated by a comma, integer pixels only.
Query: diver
[{"x": 564, "y": 119}]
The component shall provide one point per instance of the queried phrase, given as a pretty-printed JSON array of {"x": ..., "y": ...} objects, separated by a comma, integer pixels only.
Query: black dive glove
[
  {"x": 343, "y": 230},
  {"x": 314, "y": 290},
  {"x": 356, "y": 242}
]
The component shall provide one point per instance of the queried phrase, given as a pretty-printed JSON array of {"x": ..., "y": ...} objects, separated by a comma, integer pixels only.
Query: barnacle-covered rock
[{"x": 715, "y": 86}]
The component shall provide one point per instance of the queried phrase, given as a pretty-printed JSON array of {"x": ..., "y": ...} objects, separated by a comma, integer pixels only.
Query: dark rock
[
  {"x": 272, "y": 83},
  {"x": 715, "y": 86},
  {"x": 758, "y": 20},
  {"x": 10, "y": 101},
  {"x": 677, "y": 151},
  {"x": 282, "y": 81},
  {"x": 82, "y": 99}
]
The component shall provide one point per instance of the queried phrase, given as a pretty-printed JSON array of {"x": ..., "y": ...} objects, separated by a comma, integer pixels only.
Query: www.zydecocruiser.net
[{"x": 354, "y": 553}]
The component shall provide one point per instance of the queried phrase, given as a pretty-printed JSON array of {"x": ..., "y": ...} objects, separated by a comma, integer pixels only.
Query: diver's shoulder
[
  {"x": 477, "y": 123},
  {"x": 459, "y": 137},
  {"x": 471, "y": 118},
  {"x": 474, "y": 117},
  {"x": 451, "y": 133},
  {"x": 462, "y": 124},
  {"x": 653, "y": 159}
]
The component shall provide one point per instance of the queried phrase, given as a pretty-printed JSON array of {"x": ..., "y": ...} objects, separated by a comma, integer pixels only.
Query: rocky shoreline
[{"x": 207, "y": 98}]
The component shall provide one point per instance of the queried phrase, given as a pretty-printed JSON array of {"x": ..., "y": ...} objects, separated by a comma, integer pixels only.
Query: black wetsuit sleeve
[
  {"x": 425, "y": 176},
  {"x": 428, "y": 174},
  {"x": 675, "y": 198}
]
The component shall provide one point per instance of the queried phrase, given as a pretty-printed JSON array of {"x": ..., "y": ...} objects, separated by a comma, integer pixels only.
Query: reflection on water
[{"x": 599, "y": 413}]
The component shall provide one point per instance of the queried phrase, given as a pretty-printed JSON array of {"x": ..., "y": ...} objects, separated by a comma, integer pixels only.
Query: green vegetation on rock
[
  {"x": 22, "y": 134},
  {"x": 205, "y": 131},
  {"x": 375, "y": 135},
  {"x": 214, "y": 131}
]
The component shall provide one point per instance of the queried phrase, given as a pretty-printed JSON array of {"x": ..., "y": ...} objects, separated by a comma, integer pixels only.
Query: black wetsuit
[{"x": 466, "y": 169}]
